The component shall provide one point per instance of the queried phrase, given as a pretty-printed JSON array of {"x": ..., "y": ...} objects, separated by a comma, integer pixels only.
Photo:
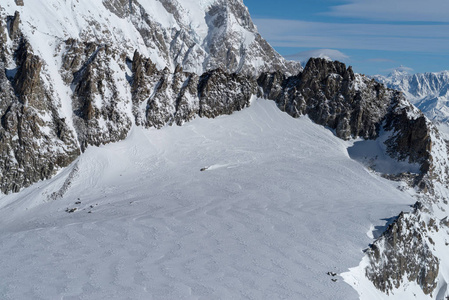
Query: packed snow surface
[{"x": 279, "y": 205}]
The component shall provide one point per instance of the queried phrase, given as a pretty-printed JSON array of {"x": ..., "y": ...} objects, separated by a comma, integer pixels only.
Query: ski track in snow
[{"x": 280, "y": 205}]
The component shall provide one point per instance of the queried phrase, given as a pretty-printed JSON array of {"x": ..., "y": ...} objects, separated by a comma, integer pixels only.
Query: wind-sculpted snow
[{"x": 279, "y": 205}]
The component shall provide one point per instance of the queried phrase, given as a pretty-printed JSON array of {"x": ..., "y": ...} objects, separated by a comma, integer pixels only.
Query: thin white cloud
[
  {"x": 394, "y": 10},
  {"x": 387, "y": 37},
  {"x": 381, "y": 60},
  {"x": 401, "y": 69},
  {"x": 322, "y": 53}
]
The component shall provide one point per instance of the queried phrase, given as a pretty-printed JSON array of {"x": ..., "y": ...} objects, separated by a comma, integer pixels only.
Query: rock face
[
  {"x": 98, "y": 102},
  {"x": 13, "y": 24},
  {"x": 403, "y": 253},
  {"x": 221, "y": 93},
  {"x": 34, "y": 139},
  {"x": 351, "y": 104},
  {"x": 175, "y": 98},
  {"x": 330, "y": 95}
]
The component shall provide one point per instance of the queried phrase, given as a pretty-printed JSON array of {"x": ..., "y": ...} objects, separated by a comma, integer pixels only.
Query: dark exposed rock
[
  {"x": 412, "y": 140},
  {"x": 175, "y": 98},
  {"x": 13, "y": 26},
  {"x": 402, "y": 252},
  {"x": 330, "y": 95},
  {"x": 221, "y": 93},
  {"x": 19, "y": 2},
  {"x": 445, "y": 222},
  {"x": 66, "y": 185},
  {"x": 186, "y": 109},
  {"x": 121, "y": 8},
  {"x": 27, "y": 80},
  {"x": 146, "y": 78},
  {"x": 32, "y": 146},
  {"x": 96, "y": 100},
  {"x": 142, "y": 68},
  {"x": 3, "y": 51},
  {"x": 71, "y": 59}
]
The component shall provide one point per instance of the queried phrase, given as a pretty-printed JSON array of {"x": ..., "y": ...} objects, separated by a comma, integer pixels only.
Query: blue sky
[{"x": 372, "y": 36}]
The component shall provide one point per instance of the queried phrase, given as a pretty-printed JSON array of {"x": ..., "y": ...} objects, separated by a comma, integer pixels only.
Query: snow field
[{"x": 280, "y": 205}]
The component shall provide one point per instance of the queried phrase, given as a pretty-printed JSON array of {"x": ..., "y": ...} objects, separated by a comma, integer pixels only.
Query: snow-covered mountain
[
  {"x": 254, "y": 205},
  {"x": 83, "y": 72},
  {"x": 428, "y": 91}
]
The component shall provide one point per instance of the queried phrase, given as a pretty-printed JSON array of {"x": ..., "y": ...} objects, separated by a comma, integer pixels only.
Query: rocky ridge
[
  {"x": 356, "y": 106},
  {"x": 404, "y": 253},
  {"x": 35, "y": 140},
  {"x": 352, "y": 105},
  {"x": 94, "y": 83}
]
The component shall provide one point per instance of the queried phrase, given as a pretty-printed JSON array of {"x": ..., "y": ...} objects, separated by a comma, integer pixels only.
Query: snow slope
[
  {"x": 279, "y": 205},
  {"x": 197, "y": 35}
]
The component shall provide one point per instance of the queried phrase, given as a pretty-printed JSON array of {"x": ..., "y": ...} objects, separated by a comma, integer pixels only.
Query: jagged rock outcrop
[
  {"x": 174, "y": 99},
  {"x": 34, "y": 139},
  {"x": 331, "y": 95},
  {"x": 27, "y": 79},
  {"x": 99, "y": 102},
  {"x": 13, "y": 25},
  {"x": 222, "y": 93},
  {"x": 351, "y": 104},
  {"x": 179, "y": 97},
  {"x": 356, "y": 106},
  {"x": 403, "y": 253},
  {"x": 412, "y": 141}
]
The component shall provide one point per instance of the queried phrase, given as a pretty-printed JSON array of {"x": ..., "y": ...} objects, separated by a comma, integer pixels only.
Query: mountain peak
[
  {"x": 428, "y": 91},
  {"x": 400, "y": 71}
]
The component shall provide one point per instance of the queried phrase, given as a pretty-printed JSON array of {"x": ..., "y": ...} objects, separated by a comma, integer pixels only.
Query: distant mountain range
[{"x": 428, "y": 91}]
